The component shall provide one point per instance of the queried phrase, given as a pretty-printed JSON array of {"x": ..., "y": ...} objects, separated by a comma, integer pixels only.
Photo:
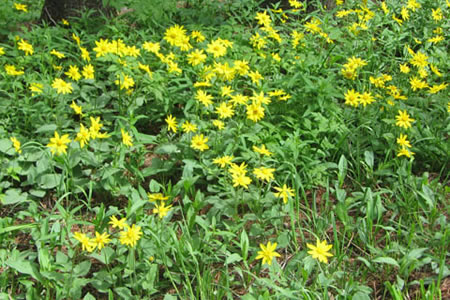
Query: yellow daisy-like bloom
[
  {"x": 156, "y": 197},
  {"x": 171, "y": 123},
  {"x": 219, "y": 124},
  {"x": 16, "y": 144},
  {"x": 403, "y": 119},
  {"x": 196, "y": 57},
  {"x": 198, "y": 142},
  {"x": 22, "y": 7},
  {"x": 116, "y": 223},
  {"x": 263, "y": 18},
  {"x": 11, "y": 70},
  {"x": 284, "y": 193},
  {"x": 85, "y": 54},
  {"x": 320, "y": 251},
  {"x": 2, "y": 51},
  {"x": 61, "y": 86},
  {"x": 264, "y": 173},
  {"x": 124, "y": 81},
  {"x": 225, "y": 110},
  {"x": 419, "y": 60},
  {"x": 58, "y": 144},
  {"x": 437, "y": 88},
  {"x": 255, "y": 112},
  {"x": 405, "y": 152},
  {"x": 100, "y": 240},
  {"x": 73, "y": 73},
  {"x": 239, "y": 99},
  {"x": 352, "y": 98},
  {"x": 262, "y": 150},
  {"x": 76, "y": 108},
  {"x": 255, "y": 76},
  {"x": 162, "y": 210},
  {"x": 404, "y": 68},
  {"x": 36, "y": 88},
  {"x": 102, "y": 47},
  {"x": 189, "y": 127},
  {"x": 86, "y": 243},
  {"x": 241, "y": 180},
  {"x": 223, "y": 161},
  {"x": 203, "y": 97},
  {"x": 366, "y": 98},
  {"x": 267, "y": 253},
  {"x": 217, "y": 48},
  {"x": 198, "y": 36},
  {"x": 88, "y": 72},
  {"x": 417, "y": 84},
  {"x": 57, "y": 53},
  {"x": 25, "y": 47},
  {"x": 151, "y": 47},
  {"x": 126, "y": 138},
  {"x": 131, "y": 235},
  {"x": 236, "y": 169},
  {"x": 403, "y": 142},
  {"x": 437, "y": 14},
  {"x": 83, "y": 136}
]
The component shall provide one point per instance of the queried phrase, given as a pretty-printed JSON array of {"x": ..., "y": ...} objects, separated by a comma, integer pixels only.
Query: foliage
[{"x": 251, "y": 153}]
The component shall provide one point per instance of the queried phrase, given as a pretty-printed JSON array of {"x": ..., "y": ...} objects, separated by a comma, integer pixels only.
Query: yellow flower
[
  {"x": 198, "y": 36},
  {"x": 124, "y": 81},
  {"x": 320, "y": 251},
  {"x": 156, "y": 197},
  {"x": 236, "y": 169},
  {"x": 102, "y": 47},
  {"x": 437, "y": 88},
  {"x": 284, "y": 193},
  {"x": 352, "y": 98},
  {"x": 121, "y": 224},
  {"x": 263, "y": 18},
  {"x": 77, "y": 109},
  {"x": 366, "y": 98},
  {"x": 405, "y": 152},
  {"x": 161, "y": 210},
  {"x": 403, "y": 142},
  {"x": 416, "y": 83},
  {"x": 151, "y": 47},
  {"x": 255, "y": 112},
  {"x": 225, "y": 110},
  {"x": 57, "y": 53},
  {"x": 131, "y": 235},
  {"x": 16, "y": 144},
  {"x": 223, "y": 161},
  {"x": 58, "y": 144},
  {"x": 65, "y": 22},
  {"x": 435, "y": 70},
  {"x": 88, "y": 72},
  {"x": 255, "y": 76},
  {"x": 145, "y": 68},
  {"x": 198, "y": 142},
  {"x": 189, "y": 127},
  {"x": 419, "y": 60},
  {"x": 2, "y": 51},
  {"x": 73, "y": 73},
  {"x": 203, "y": 98},
  {"x": 22, "y": 7},
  {"x": 437, "y": 14},
  {"x": 241, "y": 180},
  {"x": 404, "y": 68},
  {"x": 61, "y": 86},
  {"x": 196, "y": 57},
  {"x": 296, "y": 4},
  {"x": 11, "y": 70},
  {"x": 413, "y": 5},
  {"x": 86, "y": 243},
  {"x": 100, "y": 240},
  {"x": 403, "y": 119},
  {"x": 36, "y": 88},
  {"x": 264, "y": 173},
  {"x": 85, "y": 54},
  {"x": 83, "y": 136},
  {"x": 239, "y": 99},
  {"x": 171, "y": 123},
  {"x": 126, "y": 138},
  {"x": 267, "y": 253},
  {"x": 262, "y": 150},
  {"x": 219, "y": 124}
]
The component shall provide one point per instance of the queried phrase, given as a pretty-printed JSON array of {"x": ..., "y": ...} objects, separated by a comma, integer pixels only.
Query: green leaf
[
  {"x": 167, "y": 149},
  {"x": 47, "y": 128},
  {"x": 124, "y": 293},
  {"x": 13, "y": 196},
  {"x": 169, "y": 297},
  {"x": 49, "y": 181},
  {"x": 6, "y": 147},
  {"x": 24, "y": 267},
  {"x": 233, "y": 258},
  {"x": 82, "y": 268},
  {"x": 386, "y": 260}
]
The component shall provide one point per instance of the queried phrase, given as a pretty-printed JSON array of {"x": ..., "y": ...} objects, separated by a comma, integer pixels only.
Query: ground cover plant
[{"x": 226, "y": 150}]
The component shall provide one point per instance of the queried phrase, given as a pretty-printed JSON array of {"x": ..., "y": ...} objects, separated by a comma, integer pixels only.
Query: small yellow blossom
[
  {"x": 320, "y": 251},
  {"x": 267, "y": 253}
]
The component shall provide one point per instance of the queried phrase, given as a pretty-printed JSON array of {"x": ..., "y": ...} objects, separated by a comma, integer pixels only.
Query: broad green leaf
[{"x": 386, "y": 260}]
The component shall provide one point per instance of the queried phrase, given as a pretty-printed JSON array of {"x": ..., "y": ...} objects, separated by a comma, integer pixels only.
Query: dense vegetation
[{"x": 225, "y": 150}]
